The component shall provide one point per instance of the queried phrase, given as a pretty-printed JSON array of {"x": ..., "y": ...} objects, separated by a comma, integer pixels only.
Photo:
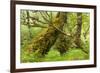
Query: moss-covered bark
[{"x": 62, "y": 44}]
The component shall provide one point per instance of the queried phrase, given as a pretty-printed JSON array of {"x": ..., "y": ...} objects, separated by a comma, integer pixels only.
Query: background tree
[{"x": 78, "y": 30}]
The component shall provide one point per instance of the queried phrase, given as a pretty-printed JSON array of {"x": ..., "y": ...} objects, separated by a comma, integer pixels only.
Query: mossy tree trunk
[
  {"x": 45, "y": 40},
  {"x": 62, "y": 42}
]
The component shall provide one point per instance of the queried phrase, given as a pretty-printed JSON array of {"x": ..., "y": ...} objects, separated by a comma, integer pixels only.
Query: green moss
[{"x": 76, "y": 54}]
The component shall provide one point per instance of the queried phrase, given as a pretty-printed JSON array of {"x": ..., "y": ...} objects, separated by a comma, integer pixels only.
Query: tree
[
  {"x": 78, "y": 41},
  {"x": 78, "y": 30},
  {"x": 44, "y": 41}
]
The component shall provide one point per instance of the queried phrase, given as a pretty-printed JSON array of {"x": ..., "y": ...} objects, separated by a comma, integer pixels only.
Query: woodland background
[{"x": 54, "y": 36}]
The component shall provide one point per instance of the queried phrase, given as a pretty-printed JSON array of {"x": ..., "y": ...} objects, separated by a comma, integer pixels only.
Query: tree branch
[
  {"x": 47, "y": 14},
  {"x": 38, "y": 25},
  {"x": 60, "y": 31},
  {"x": 33, "y": 18},
  {"x": 45, "y": 18},
  {"x": 85, "y": 33}
]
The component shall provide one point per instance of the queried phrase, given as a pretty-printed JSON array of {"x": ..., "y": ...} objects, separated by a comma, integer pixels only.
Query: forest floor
[{"x": 54, "y": 55}]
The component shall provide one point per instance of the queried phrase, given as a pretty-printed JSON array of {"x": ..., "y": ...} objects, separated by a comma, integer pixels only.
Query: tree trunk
[
  {"x": 28, "y": 23},
  {"x": 62, "y": 43},
  {"x": 78, "y": 30},
  {"x": 45, "y": 40}
]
